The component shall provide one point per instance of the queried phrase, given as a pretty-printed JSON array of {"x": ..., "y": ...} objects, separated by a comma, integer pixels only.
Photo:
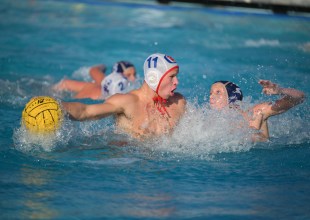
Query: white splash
[
  {"x": 203, "y": 131},
  {"x": 28, "y": 142},
  {"x": 262, "y": 42},
  {"x": 305, "y": 47},
  {"x": 113, "y": 161},
  {"x": 82, "y": 74}
]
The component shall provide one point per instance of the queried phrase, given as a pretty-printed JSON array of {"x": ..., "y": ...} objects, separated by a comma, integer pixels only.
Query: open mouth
[{"x": 172, "y": 91}]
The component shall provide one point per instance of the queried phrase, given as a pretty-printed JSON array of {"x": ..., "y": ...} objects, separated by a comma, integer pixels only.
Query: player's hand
[{"x": 269, "y": 88}]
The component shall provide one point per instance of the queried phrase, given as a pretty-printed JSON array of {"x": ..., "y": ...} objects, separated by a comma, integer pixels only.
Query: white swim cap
[
  {"x": 156, "y": 66},
  {"x": 112, "y": 84}
]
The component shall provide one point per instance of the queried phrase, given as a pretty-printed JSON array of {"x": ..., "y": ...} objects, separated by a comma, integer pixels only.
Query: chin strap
[{"x": 160, "y": 103}]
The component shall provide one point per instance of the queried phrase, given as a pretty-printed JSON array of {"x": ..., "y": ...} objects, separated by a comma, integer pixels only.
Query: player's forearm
[
  {"x": 293, "y": 94},
  {"x": 75, "y": 110},
  {"x": 291, "y": 98},
  {"x": 97, "y": 73}
]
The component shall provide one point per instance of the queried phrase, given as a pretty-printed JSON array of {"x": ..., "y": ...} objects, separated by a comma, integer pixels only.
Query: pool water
[{"x": 204, "y": 170}]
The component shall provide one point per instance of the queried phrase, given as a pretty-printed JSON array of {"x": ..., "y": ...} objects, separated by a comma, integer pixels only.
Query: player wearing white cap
[
  {"x": 103, "y": 86},
  {"x": 151, "y": 110}
]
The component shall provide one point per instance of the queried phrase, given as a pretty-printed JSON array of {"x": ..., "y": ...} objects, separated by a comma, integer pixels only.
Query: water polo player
[
  {"x": 225, "y": 94},
  {"x": 102, "y": 86},
  {"x": 151, "y": 110}
]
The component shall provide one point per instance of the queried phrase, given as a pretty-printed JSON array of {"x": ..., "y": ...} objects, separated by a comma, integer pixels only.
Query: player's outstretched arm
[
  {"x": 79, "y": 111},
  {"x": 290, "y": 97},
  {"x": 261, "y": 112}
]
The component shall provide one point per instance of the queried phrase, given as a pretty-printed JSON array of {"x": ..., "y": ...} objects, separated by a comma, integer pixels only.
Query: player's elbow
[
  {"x": 299, "y": 99},
  {"x": 260, "y": 137},
  {"x": 302, "y": 98}
]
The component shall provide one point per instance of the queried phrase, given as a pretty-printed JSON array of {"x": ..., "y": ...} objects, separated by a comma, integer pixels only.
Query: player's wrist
[{"x": 280, "y": 91}]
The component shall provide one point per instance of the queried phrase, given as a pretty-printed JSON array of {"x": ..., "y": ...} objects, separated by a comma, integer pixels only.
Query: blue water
[{"x": 204, "y": 170}]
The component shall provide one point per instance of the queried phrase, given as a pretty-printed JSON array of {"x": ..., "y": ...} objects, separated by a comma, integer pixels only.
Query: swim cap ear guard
[
  {"x": 152, "y": 77},
  {"x": 156, "y": 66}
]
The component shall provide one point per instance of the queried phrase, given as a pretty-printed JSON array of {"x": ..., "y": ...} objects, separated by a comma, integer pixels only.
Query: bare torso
[
  {"x": 136, "y": 113},
  {"x": 143, "y": 119}
]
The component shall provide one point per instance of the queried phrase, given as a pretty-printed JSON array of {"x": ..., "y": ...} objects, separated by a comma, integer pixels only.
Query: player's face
[
  {"x": 169, "y": 84},
  {"x": 218, "y": 96},
  {"x": 130, "y": 74}
]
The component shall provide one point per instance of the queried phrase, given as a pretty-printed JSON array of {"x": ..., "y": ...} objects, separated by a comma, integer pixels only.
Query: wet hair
[
  {"x": 234, "y": 92},
  {"x": 121, "y": 66}
]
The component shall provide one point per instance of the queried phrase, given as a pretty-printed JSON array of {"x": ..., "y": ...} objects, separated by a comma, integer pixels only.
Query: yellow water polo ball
[{"x": 42, "y": 114}]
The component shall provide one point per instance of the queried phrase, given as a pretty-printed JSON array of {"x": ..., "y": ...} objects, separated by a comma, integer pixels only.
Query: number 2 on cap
[{"x": 149, "y": 60}]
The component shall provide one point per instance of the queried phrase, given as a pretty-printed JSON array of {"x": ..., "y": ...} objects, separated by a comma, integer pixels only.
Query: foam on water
[
  {"x": 305, "y": 47},
  {"x": 113, "y": 161},
  {"x": 290, "y": 128},
  {"x": 18, "y": 93},
  {"x": 82, "y": 73},
  {"x": 29, "y": 142},
  {"x": 203, "y": 131},
  {"x": 262, "y": 42},
  {"x": 72, "y": 134}
]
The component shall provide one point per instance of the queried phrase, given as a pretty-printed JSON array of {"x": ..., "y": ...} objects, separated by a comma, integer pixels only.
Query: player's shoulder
[
  {"x": 123, "y": 98},
  {"x": 178, "y": 98},
  {"x": 178, "y": 95}
]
